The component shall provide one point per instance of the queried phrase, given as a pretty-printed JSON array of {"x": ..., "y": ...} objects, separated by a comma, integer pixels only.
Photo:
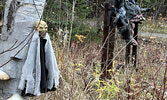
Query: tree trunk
[{"x": 19, "y": 20}]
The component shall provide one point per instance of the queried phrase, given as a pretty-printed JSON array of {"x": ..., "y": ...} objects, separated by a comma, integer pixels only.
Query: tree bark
[{"x": 108, "y": 49}]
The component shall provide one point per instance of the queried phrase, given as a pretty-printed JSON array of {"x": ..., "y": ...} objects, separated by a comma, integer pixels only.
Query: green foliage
[
  {"x": 55, "y": 15},
  {"x": 106, "y": 90},
  {"x": 110, "y": 90},
  {"x": 81, "y": 29},
  {"x": 82, "y": 9},
  {"x": 59, "y": 15},
  {"x": 146, "y": 2},
  {"x": 2, "y": 4},
  {"x": 86, "y": 30}
]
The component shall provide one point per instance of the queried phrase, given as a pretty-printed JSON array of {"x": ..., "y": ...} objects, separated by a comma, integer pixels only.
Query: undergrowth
[
  {"x": 158, "y": 26},
  {"x": 80, "y": 76}
]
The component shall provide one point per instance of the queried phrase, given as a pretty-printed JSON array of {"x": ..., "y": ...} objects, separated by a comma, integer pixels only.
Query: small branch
[
  {"x": 36, "y": 9},
  {"x": 73, "y": 77},
  {"x": 154, "y": 84},
  {"x": 164, "y": 81},
  {"x": 13, "y": 48},
  {"x": 17, "y": 51},
  {"x": 9, "y": 48},
  {"x": 6, "y": 62},
  {"x": 158, "y": 70},
  {"x": 73, "y": 7}
]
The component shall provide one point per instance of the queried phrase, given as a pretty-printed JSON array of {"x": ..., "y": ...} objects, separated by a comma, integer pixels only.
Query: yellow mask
[{"x": 41, "y": 26}]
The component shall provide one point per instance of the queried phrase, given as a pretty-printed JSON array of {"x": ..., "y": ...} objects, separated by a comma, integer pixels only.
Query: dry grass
[
  {"x": 159, "y": 26},
  {"x": 78, "y": 80}
]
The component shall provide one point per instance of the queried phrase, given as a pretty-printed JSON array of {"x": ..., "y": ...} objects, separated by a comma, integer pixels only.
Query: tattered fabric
[{"x": 31, "y": 71}]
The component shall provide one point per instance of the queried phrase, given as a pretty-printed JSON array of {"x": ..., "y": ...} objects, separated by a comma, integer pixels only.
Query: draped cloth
[
  {"x": 31, "y": 72},
  {"x": 44, "y": 71}
]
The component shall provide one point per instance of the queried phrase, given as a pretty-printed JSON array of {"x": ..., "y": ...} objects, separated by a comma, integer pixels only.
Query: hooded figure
[{"x": 40, "y": 72}]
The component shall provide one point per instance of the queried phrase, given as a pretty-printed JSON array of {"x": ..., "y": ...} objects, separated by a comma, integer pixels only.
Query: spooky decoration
[
  {"x": 42, "y": 27},
  {"x": 19, "y": 18},
  {"x": 126, "y": 13},
  {"x": 40, "y": 72}
]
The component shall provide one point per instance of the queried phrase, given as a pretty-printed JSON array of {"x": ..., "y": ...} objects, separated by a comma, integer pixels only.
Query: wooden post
[
  {"x": 127, "y": 55},
  {"x": 134, "y": 48},
  {"x": 108, "y": 49},
  {"x": 104, "y": 50}
]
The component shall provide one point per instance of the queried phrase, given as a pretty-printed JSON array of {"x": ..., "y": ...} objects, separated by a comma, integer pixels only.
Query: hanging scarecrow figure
[
  {"x": 126, "y": 13},
  {"x": 40, "y": 72}
]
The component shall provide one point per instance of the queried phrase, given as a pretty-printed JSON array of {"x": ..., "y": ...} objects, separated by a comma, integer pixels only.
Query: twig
[
  {"x": 9, "y": 48},
  {"x": 13, "y": 48},
  {"x": 164, "y": 81},
  {"x": 73, "y": 7},
  {"x": 100, "y": 49},
  {"x": 158, "y": 70},
  {"x": 17, "y": 51},
  {"x": 36, "y": 9},
  {"x": 72, "y": 82},
  {"x": 154, "y": 84}
]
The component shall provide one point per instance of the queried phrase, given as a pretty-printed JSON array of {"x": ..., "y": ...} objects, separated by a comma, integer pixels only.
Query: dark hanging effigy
[{"x": 125, "y": 15}]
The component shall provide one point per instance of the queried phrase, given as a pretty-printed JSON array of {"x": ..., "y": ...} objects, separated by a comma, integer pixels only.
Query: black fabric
[
  {"x": 23, "y": 93},
  {"x": 44, "y": 71},
  {"x": 26, "y": 95},
  {"x": 53, "y": 89}
]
